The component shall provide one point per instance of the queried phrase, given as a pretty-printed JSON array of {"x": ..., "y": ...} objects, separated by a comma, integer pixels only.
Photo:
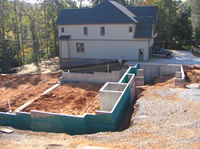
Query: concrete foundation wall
[
  {"x": 179, "y": 77},
  {"x": 108, "y": 99},
  {"x": 113, "y": 87},
  {"x": 66, "y": 63},
  {"x": 109, "y": 94},
  {"x": 139, "y": 80},
  {"x": 96, "y": 77},
  {"x": 169, "y": 69},
  {"x": 88, "y": 123},
  {"x": 152, "y": 71}
]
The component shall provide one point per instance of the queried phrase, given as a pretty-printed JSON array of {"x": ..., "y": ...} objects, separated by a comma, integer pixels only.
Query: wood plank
[
  {"x": 51, "y": 88},
  {"x": 6, "y": 130},
  {"x": 25, "y": 105}
]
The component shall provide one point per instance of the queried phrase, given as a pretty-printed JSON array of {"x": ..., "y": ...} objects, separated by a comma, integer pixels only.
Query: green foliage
[
  {"x": 28, "y": 32},
  {"x": 182, "y": 29}
]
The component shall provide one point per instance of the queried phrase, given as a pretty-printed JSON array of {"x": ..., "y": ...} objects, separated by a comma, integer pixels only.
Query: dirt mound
[
  {"x": 21, "y": 88},
  {"x": 46, "y": 66},
  {"x": 165, "y": 80},
  {"x": 193, "y": 76},
  {"x": 71, "y": 98}
]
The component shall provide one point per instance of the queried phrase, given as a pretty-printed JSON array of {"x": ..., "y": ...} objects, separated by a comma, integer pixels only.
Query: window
[
  {"x": 62, "y": 29},
  {"x": 130, "y": 29},
  {"x": 102, "y": 31},
  {"x": 85, "y": 31},
  {"x": 80, "y": 48},
  {"x": 141, "y": 51}
]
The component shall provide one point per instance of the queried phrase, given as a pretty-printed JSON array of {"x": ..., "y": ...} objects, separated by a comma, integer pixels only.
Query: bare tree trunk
[
  {"x": 35, "y": 44},
  {"x": 55, "y": 34},
  {"x": 46, "y": 31},
  {"x": 17, "y": 40},
  {"x": 22, "y": 39},
  {"x": 169, "y": 30},
  {"x": 80, "y": 6},
  {"x": 5, "y": 50}
]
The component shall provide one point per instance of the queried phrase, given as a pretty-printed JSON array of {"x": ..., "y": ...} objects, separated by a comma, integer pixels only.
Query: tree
[
  {"x": 4, "y": 49},
  {"x": 182, "y": 28}
]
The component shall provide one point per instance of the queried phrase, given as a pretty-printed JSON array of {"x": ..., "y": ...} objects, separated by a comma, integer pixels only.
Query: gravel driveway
[{"x": 179, "y": 57}]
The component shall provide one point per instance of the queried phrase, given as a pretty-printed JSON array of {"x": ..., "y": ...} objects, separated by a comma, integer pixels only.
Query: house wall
[
  {"x": 109, "y": 49},
  {"x": 118, "y": 42},
  {"x": 64, "y": 51},
  {"x": 112, "y": 31}
]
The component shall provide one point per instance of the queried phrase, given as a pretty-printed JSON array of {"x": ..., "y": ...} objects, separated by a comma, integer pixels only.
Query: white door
[{"x": 65, "y": 50}]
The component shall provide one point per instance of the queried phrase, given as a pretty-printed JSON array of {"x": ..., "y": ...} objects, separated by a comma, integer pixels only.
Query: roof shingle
[
  {"x": 144, "y": 27},
  {"x": 103, "y": 13}
]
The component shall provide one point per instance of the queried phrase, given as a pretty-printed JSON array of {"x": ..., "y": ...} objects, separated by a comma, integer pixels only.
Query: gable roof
[
  {"x": 124, "y": 10},
  {"x": 144, "y": 11},
  {"x": 104, "y": 13},
  {"x": 111, "y": 12},
  {"x": 144, "y": 27}
]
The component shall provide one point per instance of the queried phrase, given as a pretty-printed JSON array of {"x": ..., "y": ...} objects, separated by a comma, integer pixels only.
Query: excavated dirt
[
  {"x": 21, "y": 88},
  {"x": 70, "y": 98},
  {"x": 161, "y": 120},
  {"x": 192, "y": 73}
]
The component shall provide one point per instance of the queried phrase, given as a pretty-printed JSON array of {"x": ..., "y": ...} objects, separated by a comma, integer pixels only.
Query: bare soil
[
  {"x": 21, "y": 88},
  {"x": 161, "y": 119},
  {"x": 192, "y": 73},
  {"x": 46, "y": 66},
  {"x": 70, "y": 98}
]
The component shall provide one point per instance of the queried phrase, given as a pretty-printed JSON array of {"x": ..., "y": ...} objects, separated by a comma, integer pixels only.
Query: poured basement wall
[
  {"x": 179, "y": 77},
  {"x": 88, "y": 123},
  {"x": 109, "y": 94},
  {"x": 96, "y": 77},
  {"x": 152, "y": 71}
]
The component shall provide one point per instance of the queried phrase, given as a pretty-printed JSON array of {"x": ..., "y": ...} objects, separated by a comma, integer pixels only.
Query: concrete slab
[{"x": 179, "y": 57}]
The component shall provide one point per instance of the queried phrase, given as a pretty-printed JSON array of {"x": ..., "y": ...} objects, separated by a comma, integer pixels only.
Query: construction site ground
[
  {"x": 19, "y": 89},
  {"x": 164, "y": 117},
  {"x": 52, "y": 65},
  {"x": 70, "y": 98}
]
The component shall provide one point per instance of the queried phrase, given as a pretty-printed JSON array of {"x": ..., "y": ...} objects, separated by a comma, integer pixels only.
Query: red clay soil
[
  {"x": 192, "y": 73},
  {"x": 165, "y": 80},
  {"x": 70, "y": 98},
  {"x": 19, "y": 89}
]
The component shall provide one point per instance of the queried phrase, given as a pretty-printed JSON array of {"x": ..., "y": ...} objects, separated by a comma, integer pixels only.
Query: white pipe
[{"x": 9, "y": 106}]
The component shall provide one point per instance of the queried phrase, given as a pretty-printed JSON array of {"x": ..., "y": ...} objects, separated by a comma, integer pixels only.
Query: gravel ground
[{"x": 190, "y": 94}]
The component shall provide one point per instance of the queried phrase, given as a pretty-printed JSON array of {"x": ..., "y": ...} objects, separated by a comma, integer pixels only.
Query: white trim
[{"x": 124, "y": 10}]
